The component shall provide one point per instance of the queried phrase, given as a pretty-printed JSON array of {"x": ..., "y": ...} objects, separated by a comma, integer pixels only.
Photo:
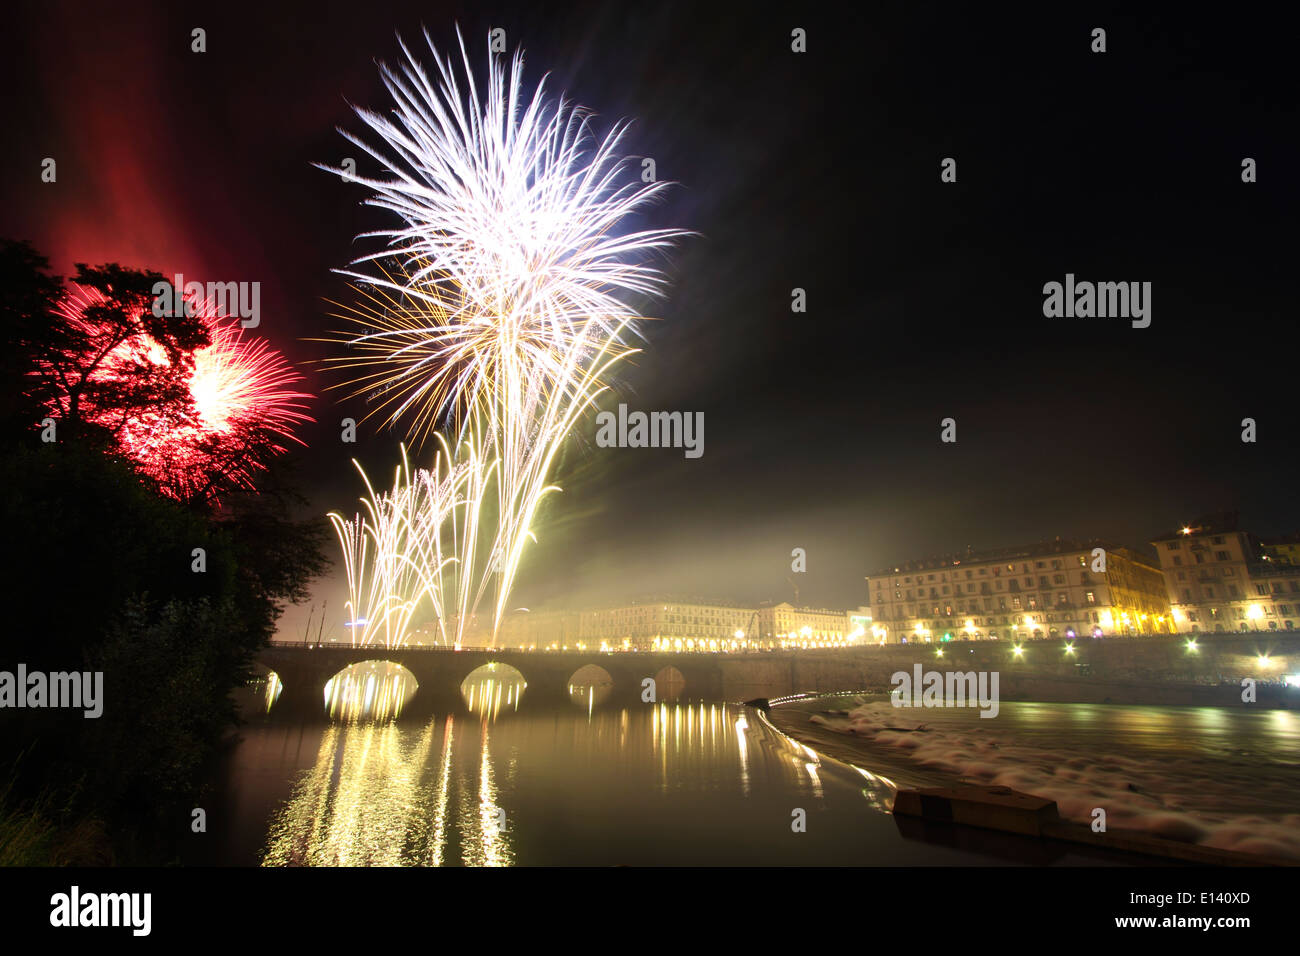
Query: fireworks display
[
  {"x": 242, "y": 402},
  {"x": 494, "y": 311}
]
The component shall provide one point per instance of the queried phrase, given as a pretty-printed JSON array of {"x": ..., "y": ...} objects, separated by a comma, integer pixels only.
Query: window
[
  {"x": 1174, "y": 545},
  {"x": 1200, "y": 558},
  {"x": 1178, "y": 561},
  {"x": 1219, "y": 539},
  {"x": 1056, "y": 564},
  {"x": 1058, "y": 578},
  {"x": 1222, "y": 556},
  {"x": 1232, "y": 591},
  {"x": 1091, "y": 598},
  {"x": 1182, "y": 575},
  {"x": 1015, "y": 603},
  {"x": 1261, "y": 589}
]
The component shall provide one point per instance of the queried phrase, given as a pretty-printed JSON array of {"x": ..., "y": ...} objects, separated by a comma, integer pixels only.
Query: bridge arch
[
  {"x": 590, "y": 685},
  {"x": 377, "y": 689},
  {"x": 670, "y": 683},
  {"x": 493, "y": 687}
]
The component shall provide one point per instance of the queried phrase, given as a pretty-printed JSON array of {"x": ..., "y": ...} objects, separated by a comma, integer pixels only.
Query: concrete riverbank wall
[{"x": 1146, "y": 670}]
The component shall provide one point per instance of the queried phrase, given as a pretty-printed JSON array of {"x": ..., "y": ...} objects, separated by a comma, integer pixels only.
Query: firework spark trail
[
  {"x": 495, "y": 306},
  {"x": 410, "y": 542},
  {"x": 240, "y": 388}
]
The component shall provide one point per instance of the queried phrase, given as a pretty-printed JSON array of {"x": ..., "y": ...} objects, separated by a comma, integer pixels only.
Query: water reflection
[
  {"x": 388, "y": 795},
  {"x": 545, "y": 790},
  {"x": 491, "y": 688},
  {"x": 266, "y": 689},
  {"x": 374, "y": 690}
]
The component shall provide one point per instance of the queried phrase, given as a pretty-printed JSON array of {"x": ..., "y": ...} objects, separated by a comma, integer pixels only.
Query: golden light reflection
[
  {"x": 353, "y": 807},
  {"x": 437, "y": 793},
  {"x": 492, "y": 688},
  {"x": 742, "y": 725},
  {"x": 484, "y": 833},
  {"x": 368, "y": 800},
  {"x": 273, "y": 688},
  {"x": 370, "y": 690}
]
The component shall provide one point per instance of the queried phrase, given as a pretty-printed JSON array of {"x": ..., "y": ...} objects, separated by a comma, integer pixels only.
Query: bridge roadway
[{"x": 304, "y": 670}]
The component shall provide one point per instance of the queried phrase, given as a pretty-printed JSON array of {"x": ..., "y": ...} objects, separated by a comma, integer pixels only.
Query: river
[{"x": 690, "y": 783}]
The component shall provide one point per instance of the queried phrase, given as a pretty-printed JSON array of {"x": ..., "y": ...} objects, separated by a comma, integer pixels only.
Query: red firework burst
[{"x": 241, "y": 411}]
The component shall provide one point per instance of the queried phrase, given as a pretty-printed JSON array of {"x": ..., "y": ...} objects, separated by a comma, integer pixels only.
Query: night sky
[{"x": 818, "y": 170}]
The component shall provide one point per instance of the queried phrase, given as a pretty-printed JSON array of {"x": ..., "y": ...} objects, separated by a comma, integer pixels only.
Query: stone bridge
[
  {"x": 305, "y": 669},
  {"x": 1119, "y": 670}
]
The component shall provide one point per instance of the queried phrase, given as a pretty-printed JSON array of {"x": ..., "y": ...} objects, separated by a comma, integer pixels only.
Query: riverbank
[{"x": 1215, "y": 777}]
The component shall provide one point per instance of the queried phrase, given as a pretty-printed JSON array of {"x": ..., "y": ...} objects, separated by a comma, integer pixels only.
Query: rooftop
[{"x": 1035, "y": 550}]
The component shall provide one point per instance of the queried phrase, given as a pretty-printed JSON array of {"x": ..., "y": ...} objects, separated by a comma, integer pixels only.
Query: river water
[
  {"x": 691, "y": 783},
  {"x": 1226, "y": 777}
]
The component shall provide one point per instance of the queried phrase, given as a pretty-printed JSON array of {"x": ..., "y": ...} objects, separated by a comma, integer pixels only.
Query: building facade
[
  {"x": 1220, "y": 578},
  {"x": 784, "y": 621},
  {"x": 680, "y": 624},
  {"x": 1282, "y": 550},
  {"x": 1054, "y": 589}
]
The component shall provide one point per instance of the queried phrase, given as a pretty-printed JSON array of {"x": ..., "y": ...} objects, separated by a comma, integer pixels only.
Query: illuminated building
[
  {"x": 1282, "y": 550},
  {"x": 1220, "y": 578},
  {"x": 775, "y": 620},
  {"x": 1052, "y": 589},
  {"x": 676, "y": 624}
]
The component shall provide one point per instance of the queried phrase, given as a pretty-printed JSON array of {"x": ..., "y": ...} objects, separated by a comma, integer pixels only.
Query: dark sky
[{"x": 818, "y": 170}]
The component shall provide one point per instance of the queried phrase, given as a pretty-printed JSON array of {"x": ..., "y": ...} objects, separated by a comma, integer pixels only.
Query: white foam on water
[{"x": 1217, "y": 798}]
